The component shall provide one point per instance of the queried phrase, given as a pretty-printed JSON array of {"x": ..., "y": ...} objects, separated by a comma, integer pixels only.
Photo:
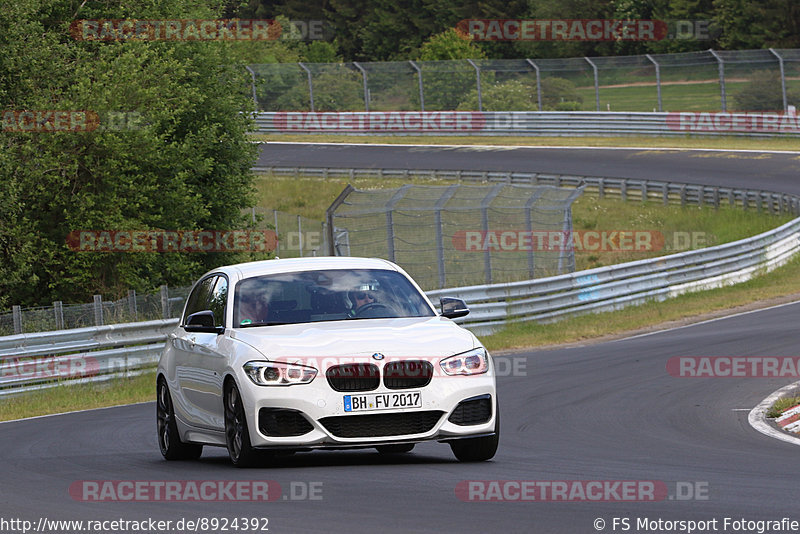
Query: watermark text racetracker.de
[
  {"x": 197, "y": 30},
  {"x": 583, "y": 29},
  {"x": 580, "y": 491},
  {"x": 193, "y": 491},
  {"x": 734, "y": 366},
  {"x": 54, "y": 121},
  {"x": 181, "y": 240}
]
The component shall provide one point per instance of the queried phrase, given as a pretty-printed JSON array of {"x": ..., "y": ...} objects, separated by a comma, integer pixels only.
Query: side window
[
  {"x": 219, "y": 297},
  {"x": 200, "y": 297}
]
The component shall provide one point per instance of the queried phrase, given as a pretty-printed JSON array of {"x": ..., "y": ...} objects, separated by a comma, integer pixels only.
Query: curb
[{"x": 789, "y": 421}]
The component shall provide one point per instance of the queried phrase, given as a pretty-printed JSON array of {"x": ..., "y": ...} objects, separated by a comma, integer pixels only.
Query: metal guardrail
[
  {"x": 530, "y": 123},
  {"x": 47, "y": 359}
]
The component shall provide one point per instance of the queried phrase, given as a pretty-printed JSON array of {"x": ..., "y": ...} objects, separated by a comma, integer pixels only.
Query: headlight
[
  {"x": 474, "y": 362},
  {"x": 279, "y": 374}
]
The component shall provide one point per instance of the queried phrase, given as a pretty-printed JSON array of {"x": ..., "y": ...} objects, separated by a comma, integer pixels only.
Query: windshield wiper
[{"x": 271, "y": 323}]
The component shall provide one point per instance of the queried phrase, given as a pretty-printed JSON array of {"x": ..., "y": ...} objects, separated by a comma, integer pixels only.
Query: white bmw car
[{"x": 280, "y": 356}]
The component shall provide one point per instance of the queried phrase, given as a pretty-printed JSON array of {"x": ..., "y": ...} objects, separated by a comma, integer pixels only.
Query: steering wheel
[{"x": 369, "y": 310}]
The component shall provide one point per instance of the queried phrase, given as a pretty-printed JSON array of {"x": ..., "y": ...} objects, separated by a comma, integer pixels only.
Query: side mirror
[
  {"x": 203, "y": 321},
  {"x": 452, "y": 308}
]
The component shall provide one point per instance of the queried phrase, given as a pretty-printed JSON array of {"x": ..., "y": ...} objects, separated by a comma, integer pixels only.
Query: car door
[{"x": 198, "y": 360}]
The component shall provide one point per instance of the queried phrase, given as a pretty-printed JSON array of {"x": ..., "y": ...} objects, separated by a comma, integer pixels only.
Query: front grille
[
  {"x": 354, "y": 377},
  {"x": 376, "y": 425},
  {"x": 407, "y": 374},
  {"x": 474, "y": 411},
  {"x": 282, "y": 423}
]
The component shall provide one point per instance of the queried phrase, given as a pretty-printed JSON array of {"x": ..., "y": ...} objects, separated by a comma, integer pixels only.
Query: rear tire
[
  {"x": 477, "y": 449},
  {"x": 237, "y": 435},
  {"x": 400, "y": 448},
  {"x": 169, "y": 441}
]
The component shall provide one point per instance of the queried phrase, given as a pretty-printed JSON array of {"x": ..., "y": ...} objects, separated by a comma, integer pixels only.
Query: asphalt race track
[{"x": 604, "y": 412}]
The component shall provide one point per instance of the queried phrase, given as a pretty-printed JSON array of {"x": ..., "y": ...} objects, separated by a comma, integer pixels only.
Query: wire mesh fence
[
  {"x": 460, "y": 234},
  {"x": 164, "y": 304},
  {"x": 298, "y": 236},
  {"x": 742, "y": 80}
]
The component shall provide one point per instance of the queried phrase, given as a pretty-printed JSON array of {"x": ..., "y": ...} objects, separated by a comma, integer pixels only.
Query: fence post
[
  {"x": 478, "y": 79},
  {"x": 58, "y": 311},
  {"x": 783, "y": 78},
  {"x": 529, "y": 228},
  {"x": 447, "y": 195},
  {"x": 310, "y": 85},
  {"x": 723, "y": 94},
  {"x": 132, "y": 304},
  {"x": 390, "y": 220},
  {"x": 98, "y": 310},
  {"x": 487, "y": 256},
  {"x": 253, "y": 76},
  {"x": 366, "y": 88},
  {"x": 596, "y": 84},
  {"x": 300, "y": 235},
  {"x": 277, "y": 235},
  {"x": 329, "y": 213},
  {"x": 538, "y": 84},
  {"x": 421, "y": 92},
  {"x": 658, "y": 80},
  {"x": 164, "y": 302},
  {"x": 16, "y": 313}
]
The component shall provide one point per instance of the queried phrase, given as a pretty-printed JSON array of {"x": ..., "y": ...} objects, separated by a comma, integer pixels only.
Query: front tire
[
  {"x": 477, "y": 449},
  {"x": 237, "y": 435},
  {"x": 169, "y": 441}
]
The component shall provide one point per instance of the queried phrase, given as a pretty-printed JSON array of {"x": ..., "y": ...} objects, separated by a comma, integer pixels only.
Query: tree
[{"x": 184, "y": 165}]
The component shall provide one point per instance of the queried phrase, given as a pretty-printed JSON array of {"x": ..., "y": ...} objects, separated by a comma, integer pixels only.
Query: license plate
[{"x": 382, "y": 401}]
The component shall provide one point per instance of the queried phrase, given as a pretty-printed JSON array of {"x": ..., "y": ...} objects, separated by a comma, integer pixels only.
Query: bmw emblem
[{"x": 377, "y": 356}]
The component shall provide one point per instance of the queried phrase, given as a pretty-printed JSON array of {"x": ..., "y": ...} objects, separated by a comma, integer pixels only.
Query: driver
[{"x": 360, "y": 297}]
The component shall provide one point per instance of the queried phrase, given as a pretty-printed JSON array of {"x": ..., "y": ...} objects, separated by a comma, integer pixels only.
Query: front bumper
[{"x": 329, "y": 426}]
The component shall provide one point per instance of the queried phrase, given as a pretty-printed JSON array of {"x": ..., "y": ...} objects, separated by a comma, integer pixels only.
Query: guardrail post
[
  {"x": 164, "y": 302},
  {"x": 783, "y": 78},
  {"x": 16, "y": 313},
  {"x": 683, "y": 195},
  {"x": 538, "y": 84},
  {"x": 310, "y": 85},
  {"x": 623, "y": 190},
  {"x": 98, "y": 310},
  {"x": 716, "y": 198},
  {"x": 596, "y": 84},
  {"x": 421, "y": 91},
  {"x": 447, "y": 195},
  {"x": 658, "y": 80},
  {"x": 601, "y": 188},
  {"x": 723, "y": 94},
  {"x": 644, "y": 191},
  {"x": 478, "y": 80},
  {"x": 58, "y": 311},
  {"x": 366, "y": 87},
  {"x": 665, "y": 194}
]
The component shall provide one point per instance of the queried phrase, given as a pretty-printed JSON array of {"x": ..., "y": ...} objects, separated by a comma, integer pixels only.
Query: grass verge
[
  {"x": 781, "y": 405},
  {"x": 788, "y": 144},
  {"x": 86, "y": 396}
]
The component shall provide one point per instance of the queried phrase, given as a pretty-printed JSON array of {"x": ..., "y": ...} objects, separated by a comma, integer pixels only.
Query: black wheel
[
  {"x": 172, "y": 448},
  {"x": 395, "y": 449},
  {"x": 237, "y": 436},
  {"x": 477, "y": 449}
]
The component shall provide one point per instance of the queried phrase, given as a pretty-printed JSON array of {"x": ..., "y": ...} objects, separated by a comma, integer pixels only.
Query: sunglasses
[{"x": 361, "y": 295}]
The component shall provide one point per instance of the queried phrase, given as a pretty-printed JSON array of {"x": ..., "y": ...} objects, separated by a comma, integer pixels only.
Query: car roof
[{"x": 257, "y": 268}]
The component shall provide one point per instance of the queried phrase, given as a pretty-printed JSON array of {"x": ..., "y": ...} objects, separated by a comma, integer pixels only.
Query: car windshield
[{"x": 329, "y": 295}]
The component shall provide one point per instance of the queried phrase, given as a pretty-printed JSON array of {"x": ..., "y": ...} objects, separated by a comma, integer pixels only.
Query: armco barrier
[
  {"x": 530, "y": 123},
  {"x": 45, "y": 359}
]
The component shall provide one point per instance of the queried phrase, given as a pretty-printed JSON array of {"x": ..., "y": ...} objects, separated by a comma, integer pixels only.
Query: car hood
[{"x": 415, "y": 336}]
